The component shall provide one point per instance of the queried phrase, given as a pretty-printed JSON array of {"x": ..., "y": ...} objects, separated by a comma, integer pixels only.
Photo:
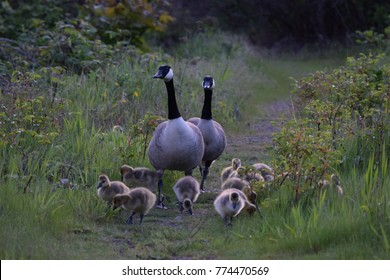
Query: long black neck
[
  {"x": 206, "y": 111},
  {"x": 173, "y": 110}
]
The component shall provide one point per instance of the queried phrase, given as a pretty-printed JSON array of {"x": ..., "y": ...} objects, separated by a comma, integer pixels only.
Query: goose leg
[
  {"x": 201, "y": 169},
  {"x": 160, "y": 185},
  {"x": 205, "y": 173}
]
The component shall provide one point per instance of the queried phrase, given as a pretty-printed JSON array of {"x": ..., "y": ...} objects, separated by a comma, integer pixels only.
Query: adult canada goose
[
  {"x": 229, "y": 203},
  {"x": 176, "y": 144},
  {"x": 225, "y": 174},
  {"x": 187, "y": 190},
  {"x": 139, "y": 200},
  {"x": 213, "y": 134},
  {"x": 266, "y": 171},
  {"x": 107, "y": 190},
  {"x": 139, "y": 176}
]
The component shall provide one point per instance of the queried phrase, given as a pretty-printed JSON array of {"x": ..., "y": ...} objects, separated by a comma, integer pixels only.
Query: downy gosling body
[
  {"x": 107, "y": 189},
  {"x": 139, "y": 176},
  {"x": 244, "y": 186},
  {"x": 266, "y": 171},
  {"x": 187, "y": 190},
  {"x": 139, "y": 200},
  {"x": 229, "y": 203},
  {"x": 227, "y": 171},
  {"x": 213, "y": 134},
  {"x": 176, "y": 144},
  {"x": 235, "y": 183}
]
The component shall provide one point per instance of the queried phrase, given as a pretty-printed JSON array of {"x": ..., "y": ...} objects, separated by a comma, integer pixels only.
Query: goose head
[
  {"x": 103, "y": 181},
  {"x": 165, "y": 73},
  {"x": 208, "y": 83}
]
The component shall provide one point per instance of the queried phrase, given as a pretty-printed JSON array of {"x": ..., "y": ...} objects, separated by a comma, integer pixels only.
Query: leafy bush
[
  {"x": 36, "y": 34},
  {"x": 342, "y": 121},
  {"x": 127, "y": 21}
]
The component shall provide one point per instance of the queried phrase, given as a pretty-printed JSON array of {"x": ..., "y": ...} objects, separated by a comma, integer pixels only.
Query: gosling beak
[
  {"x": 99, "y": 185},
  {"x": 234, "y": 205}
]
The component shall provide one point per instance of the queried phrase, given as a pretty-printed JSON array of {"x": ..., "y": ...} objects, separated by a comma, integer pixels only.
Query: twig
[{"x": 28, "y": 183}]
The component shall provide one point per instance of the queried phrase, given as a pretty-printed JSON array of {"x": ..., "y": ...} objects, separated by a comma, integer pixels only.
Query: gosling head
[
  {"x": 236, "y": 163},
  {"x": 335, "y": 179},
  {"x": 208, "y": 82},
  {"x": 187, "y": 204},
  {"x": 234, "y": 197},
  {"x": 103, "y": 181},
  {"x": 126, "y": 169},
  {"x": 165, "y": 73}
]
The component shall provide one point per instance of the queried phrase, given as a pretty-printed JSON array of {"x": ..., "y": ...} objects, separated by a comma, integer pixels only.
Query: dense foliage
[
  {"x": 341, "y": 122},
  {"x": 77, "y": 35},
  {"x": 286, "y": 23}
]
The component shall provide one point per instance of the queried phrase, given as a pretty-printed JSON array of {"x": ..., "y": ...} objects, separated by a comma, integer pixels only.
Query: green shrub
[{"x": 342, "y": 120}]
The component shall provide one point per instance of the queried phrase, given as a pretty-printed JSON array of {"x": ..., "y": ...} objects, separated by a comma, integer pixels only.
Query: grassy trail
[
  {"x": 168, "y": 234},
  {"x": 53, "y": 222}
]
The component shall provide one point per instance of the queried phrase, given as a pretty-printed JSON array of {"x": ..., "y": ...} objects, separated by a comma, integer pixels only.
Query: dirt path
[{"x": 251, "y": 144}]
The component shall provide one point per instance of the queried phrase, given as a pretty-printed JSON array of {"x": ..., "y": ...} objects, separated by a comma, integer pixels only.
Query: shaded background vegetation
[
  {"x": 80, "y": 34},
  {"x": 286, "y": 24}
]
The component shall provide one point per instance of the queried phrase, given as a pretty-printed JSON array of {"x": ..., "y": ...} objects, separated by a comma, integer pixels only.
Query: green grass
[{"x": 42, "y": 219}]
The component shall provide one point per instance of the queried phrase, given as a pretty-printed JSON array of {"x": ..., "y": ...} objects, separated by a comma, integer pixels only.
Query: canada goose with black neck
[
  {"x": 176, "y": 144},
  {"x": 213, "y": 134}
]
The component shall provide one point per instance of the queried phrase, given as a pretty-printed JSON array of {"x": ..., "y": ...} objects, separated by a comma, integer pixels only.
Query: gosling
[
  {"x": 139, "y": 176},
  {"x": 336, "y": 183},
  {"x": 266, "y": 171},
  {"x": 187, "y": 190},
  {"x": 107, "y": 190},
  {"x": 248, "y": 175},
  {"x": 139, "y": 200},
  {"x": 244, "y": 186},
  {"x": 227, "y": 171},
  {"x": 229, "y": 203},
  {"x": 235, "y": 183}
]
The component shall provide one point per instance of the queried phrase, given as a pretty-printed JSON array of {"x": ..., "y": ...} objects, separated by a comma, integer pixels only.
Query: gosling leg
[
  {"x": 141, "y": 218},
  {"x": 130, "y": 219}
]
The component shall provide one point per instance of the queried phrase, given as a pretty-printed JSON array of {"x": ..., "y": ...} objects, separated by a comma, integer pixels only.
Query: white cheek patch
[{"x": 169, "y": 76}]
